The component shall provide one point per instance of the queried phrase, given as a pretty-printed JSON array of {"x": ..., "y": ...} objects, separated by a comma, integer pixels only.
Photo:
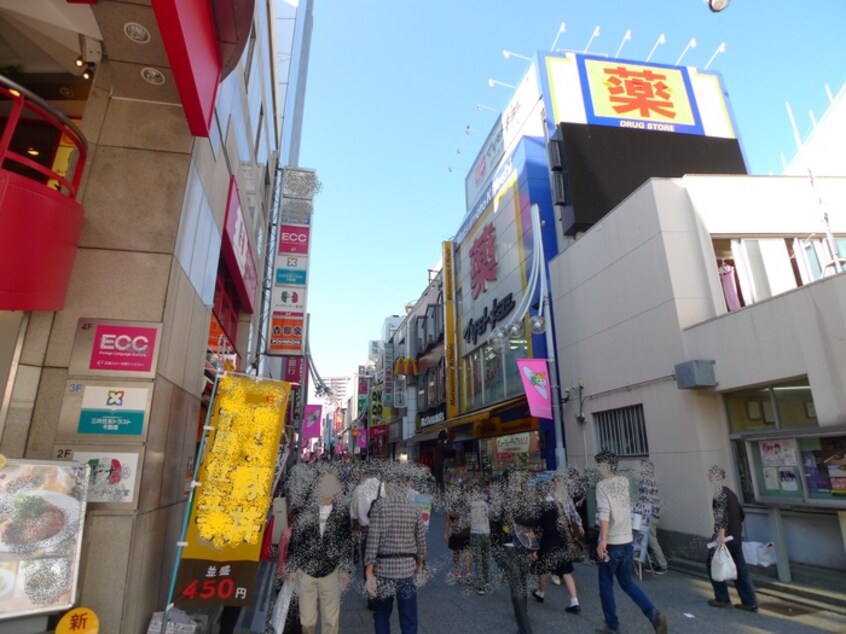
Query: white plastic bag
[
  {"x": 750, "y": 552},
  {"x": 767, "y": 554},
  {"x": 280, "y": 609},
  {"x": 722, "y": 565}
]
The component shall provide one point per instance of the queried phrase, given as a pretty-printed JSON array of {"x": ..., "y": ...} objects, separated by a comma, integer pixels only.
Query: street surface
[{"x": 446, "y": 607}]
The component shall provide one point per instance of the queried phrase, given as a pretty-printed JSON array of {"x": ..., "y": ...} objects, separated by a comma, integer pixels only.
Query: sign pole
[{"x": 180, "y": 545}]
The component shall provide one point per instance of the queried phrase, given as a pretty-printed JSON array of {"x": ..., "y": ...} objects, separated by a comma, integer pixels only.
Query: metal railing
[{"x": 21, "y": 114}]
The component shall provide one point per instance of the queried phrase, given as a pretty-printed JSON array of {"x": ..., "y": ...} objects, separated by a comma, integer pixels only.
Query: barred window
[{"x": 622, "y": 431}]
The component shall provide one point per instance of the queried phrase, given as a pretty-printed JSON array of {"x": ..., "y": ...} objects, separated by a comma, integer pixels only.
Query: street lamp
[
  {"x": 626, "y": 38},
  {"x": 561, "y": 30},
  {"x": 509, "y": 54},
  {"x": 720, "y": 49},
  {"x": 592, "y": 38},
  {"x": 496, "y": 82},
  {"x": 513, "y": 329},
  {"x": 690, "y": 45},
  {"x": 661, "y": 40},
  {"x": 718, "y": 5}
]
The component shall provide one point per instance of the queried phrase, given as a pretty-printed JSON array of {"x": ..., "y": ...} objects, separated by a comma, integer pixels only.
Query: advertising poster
[
  {"x": 288, "y": 299},
  {"x": 230, "y": 507},
  {"x": 641, "y": 523},
  {"x": 42, "y": 514},
  {"x": 535, "y": 376},
  {"x": 833, "y": 451},
  {"x": 287, "y": 334},
  {"x": 311, "y": 422},
  {"x": 779, "y": 453},
  {"x": 293, "y": 239},
  {"x": 771, "y": 481},
  {"x": 291, "y": 269},
  {"x": 788, "y": 479},
  {"x": 114, "y": 472}
]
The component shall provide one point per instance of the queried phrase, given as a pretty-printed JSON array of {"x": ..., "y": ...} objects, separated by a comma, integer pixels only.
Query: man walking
[
  {"x": 649, "y": 500},
  {"x": 615, "y": 551},
  {"x": 728, "y": 522},
  {"x": 396, "y": 552}
]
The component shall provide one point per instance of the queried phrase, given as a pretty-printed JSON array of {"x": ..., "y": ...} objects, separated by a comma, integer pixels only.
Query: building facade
[{"x": 180, "y": 125}]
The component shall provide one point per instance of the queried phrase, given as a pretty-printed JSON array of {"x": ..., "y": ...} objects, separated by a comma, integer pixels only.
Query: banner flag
[
  {"x": 311, "y": 425},
  {"x": 535, "y": 376}
]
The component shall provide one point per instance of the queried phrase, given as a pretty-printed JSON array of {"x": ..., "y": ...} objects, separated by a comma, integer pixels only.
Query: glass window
[
  {"x": 744, "y": 473},
  {"x": 494, "y": 375},
  {"x": 795, "y": 405},
  {"x": 780, "y": 406},
  {"x": 776, "y": 466},
  {"x": 750, "y": 409},
  {"x": 824, "y": 466}
]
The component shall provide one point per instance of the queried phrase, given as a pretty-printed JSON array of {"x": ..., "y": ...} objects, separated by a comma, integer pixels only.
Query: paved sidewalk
[{"x": 445, "y": 607}]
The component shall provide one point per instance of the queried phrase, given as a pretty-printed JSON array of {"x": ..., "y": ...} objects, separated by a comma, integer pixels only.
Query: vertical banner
[
  {"x": 535, "y": 376},
  {"x": 388, "y": 366},
  {"x": 226, "y": 524},
  {"x": 311, "y": 422},
  {"x": 449, "y": 332}
]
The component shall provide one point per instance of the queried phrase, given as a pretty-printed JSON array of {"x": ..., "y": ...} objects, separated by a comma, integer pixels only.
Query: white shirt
[
  {"x": 325, "y": 512},
  {"x": 362, "y": 497},
  {"x": 614, "y": 506},
  {"x": 479, "y": 517}
]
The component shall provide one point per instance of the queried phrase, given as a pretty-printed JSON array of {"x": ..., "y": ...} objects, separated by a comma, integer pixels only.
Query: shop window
[
  {"x": 824, "y": 467},
  {"x": 622, "y": 431},
  {"x": 779, "y": 406}
]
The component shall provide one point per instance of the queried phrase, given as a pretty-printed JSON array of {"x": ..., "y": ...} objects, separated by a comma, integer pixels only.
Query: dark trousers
[
  {"x": 516, "y": 564},
  {"x": 406, "y": 594},
  {"x": 743, "y": 583}
]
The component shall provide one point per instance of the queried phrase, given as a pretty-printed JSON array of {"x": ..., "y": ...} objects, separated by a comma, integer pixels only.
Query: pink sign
[
  {"x": 293, "y": 239},
  {"x": 237, "y": 251},
  {"x": 311, "y": 421},
  {"x": 535, "y": 376},
  {"x": 123, "y": 348},
  {"x": 292, "y": 369}
]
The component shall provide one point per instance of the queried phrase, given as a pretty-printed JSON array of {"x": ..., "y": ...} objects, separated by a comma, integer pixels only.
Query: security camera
[{"x": 566, "y": 396}]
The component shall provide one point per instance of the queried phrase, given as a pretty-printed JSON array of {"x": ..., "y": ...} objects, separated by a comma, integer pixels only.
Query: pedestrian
[
  {"x": 364, "y": 497},
  {"x": 728, "y": 523},
  {"x": 395, "y": 555},
  {"x": 480, "y": 538},
  {"x": 320, "y": 556},
  {"x": 457, "y": 531},
  {"x": 578, "y": 493},
  {"x": 615, "y": 552},
  {"x": 558, "y": 530},
  {"x": 514, "y": 510},
  {"x": 649, "y": 504}
]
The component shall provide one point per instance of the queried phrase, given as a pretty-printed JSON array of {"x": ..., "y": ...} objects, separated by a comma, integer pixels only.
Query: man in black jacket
[
  {"x": 320, "y": 554},
  {"x": 728, "y": 522}
]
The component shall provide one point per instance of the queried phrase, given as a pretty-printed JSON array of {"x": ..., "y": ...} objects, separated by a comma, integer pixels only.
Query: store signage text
[{"x": 499, "y": 310}]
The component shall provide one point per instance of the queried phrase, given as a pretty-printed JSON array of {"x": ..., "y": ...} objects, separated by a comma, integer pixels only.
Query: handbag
[
  {"x": 280, "y": 609},
  {"x": 525, "y": 538},
  {"x": 722, "y": 565}
]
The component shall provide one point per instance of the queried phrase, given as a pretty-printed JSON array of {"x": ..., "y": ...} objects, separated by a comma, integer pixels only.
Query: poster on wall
[
  {"x": 641, "y": 522},
  {"x": 779, "y": 453},
  {"x": 833, "y": 452},
  {"x": 114, "y": 472},
  {"x": 42, "y": 514}
]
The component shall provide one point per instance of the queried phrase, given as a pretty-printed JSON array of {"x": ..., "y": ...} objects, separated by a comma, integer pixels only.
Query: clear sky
[{"x": 393, "y": 85}]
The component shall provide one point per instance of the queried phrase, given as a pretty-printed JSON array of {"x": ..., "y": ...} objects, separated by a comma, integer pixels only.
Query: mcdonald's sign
[{"x": 405, "y": 366}]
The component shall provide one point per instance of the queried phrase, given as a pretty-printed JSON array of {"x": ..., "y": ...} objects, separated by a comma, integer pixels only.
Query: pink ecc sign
[
  {"x": 535, "y": 376},
  {"x": 293, "y": 239},
  {"x": 123, "y": 348}
]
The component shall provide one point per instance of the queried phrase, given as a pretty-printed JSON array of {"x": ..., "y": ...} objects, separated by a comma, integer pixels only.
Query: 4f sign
[
  {"x": 115, "y": 348},
  {"x": 293, "y": 239}
]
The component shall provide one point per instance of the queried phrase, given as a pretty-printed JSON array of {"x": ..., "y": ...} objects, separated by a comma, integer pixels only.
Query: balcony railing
[{"x": 42, "y": 159}]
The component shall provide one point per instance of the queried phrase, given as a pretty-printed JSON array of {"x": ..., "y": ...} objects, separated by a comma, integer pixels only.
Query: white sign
[{"x": 288, "y": 299}]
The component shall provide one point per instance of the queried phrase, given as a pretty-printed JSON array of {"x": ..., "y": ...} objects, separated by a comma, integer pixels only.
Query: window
[
  {"x": 622, "y": 431},
  {"x": 780, "y": 406}
]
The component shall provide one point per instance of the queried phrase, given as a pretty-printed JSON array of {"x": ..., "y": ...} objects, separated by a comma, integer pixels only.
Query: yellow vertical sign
[{"x": 449, "y": 333}]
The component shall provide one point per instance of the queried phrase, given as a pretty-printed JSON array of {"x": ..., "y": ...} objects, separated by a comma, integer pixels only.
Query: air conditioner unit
[
  {"x": 694, "y": 375},
  {"x": 554, "y": 155}
]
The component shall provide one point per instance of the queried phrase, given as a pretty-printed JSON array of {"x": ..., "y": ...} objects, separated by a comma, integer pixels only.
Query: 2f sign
[{"x": 293, "y": 239}]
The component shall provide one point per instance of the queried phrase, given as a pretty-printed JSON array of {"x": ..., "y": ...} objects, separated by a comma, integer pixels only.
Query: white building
[{"x": 641, "y": 291}]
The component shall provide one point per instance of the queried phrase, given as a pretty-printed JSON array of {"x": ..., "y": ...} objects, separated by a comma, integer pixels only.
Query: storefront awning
[{"x": 473, "y": 418}]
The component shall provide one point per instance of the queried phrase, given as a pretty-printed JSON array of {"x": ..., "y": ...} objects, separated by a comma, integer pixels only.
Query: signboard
[
  {"x": 535, "y": 376},
  {"x": 450, "y": 352},
  {"x": 79, "y": 621},
  {"x": 640, "y": 96},
  {"x": 292, "y": 369},
  {"x": 294, "y": 239},
  {"x": 114, "y": 472},
  {"x": 288, "y": 299},
  {"x": 237, "y": 251},
  {"x": 42, "y": 513},
  {"x": 400, "y": 391},
  {"x": 287, "y": 334},
  {"x": 311, "y": 422},
  {"x": 388, "y": 367},
  {"x": 115, "y": 348},
  {"x": 291, "y": 269},
  {"x": 111, "y": 411},
  {"x": 229, "y": 510}
]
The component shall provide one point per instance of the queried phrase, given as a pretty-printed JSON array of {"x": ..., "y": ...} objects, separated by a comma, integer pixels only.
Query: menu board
[{"x": 42, "y": 513}]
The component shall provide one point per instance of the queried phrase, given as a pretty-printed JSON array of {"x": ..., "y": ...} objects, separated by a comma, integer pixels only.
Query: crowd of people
[{"x": 519, "y": 530}]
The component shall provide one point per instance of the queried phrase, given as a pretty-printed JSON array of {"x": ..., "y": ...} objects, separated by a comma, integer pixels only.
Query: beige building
[
  {"x": 701, "y": 322},
  {"x": 177, "y": 193}
]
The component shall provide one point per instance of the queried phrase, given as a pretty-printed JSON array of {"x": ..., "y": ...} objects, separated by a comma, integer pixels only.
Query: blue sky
[{"x": 393, "y": 85}]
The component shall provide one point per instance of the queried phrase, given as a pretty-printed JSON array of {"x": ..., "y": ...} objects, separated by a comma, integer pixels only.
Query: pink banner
[
  {"x": 535, "y": 376},
  {"x": 311, "y": 424}
]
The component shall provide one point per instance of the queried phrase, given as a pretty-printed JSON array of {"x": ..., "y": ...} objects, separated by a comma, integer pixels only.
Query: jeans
[
  {"x": 619, "y": 564},
  {"x": 480, "y": 545},
  {"x": 743, "y": 583},
  {"x": 406, "y": 593},
  {"x": 516, "y": 564}
]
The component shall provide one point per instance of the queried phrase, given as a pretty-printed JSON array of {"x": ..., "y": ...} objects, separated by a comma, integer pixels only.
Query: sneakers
[
  {"x": 659, "y": 622},
  {"x": 714, "y": 603},
  {"x": 747, "y": 608},
  {"x": 573, "y": 609},
  {"x": 538, "y": 596}
]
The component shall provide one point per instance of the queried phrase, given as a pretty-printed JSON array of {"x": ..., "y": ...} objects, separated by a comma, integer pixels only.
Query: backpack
[{"x": 525, "y": 538}]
